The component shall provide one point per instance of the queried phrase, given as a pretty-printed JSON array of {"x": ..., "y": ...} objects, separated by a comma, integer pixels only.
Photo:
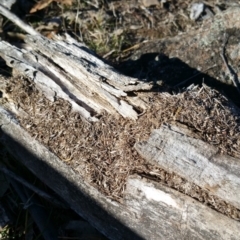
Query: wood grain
[
  {"x": 148, "y": 210},
  {"x": 175, "y": 150}
]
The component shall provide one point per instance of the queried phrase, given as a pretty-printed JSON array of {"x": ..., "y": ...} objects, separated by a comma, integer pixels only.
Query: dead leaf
[
  {"x": 40, "y": 5},
  {"x": 44, "y": 3},
  {"x": 66, "y": 2}
]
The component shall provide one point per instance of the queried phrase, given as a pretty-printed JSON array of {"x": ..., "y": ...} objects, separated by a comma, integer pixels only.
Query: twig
[
  {"x": 13, "y": 18},
  {"x": 30, "y": 186},
  {"x": 185, "y": 81},
  {"x": 38, "y": 213},
  {"x": 231, "y": 72}
]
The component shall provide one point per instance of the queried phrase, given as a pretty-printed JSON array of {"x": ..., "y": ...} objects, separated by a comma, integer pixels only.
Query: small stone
[
  {"x": 149, "y": 3},
  {"x": 196, "y": 10}
]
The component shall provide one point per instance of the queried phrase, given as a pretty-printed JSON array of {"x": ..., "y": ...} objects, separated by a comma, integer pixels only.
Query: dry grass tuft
[{"x": 104, "y": 152}]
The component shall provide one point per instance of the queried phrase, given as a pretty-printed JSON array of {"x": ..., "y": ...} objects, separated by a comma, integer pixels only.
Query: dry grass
[
  {"x": 111, "y": 28},
  {"x": 98, "y": 26},
  {"x": 104, "y": 152}
]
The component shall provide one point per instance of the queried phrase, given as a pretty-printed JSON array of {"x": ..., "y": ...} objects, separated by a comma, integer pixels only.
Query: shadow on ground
[
  {"x": 80, "y": 202},
  {"x": 173, "y": 73}
]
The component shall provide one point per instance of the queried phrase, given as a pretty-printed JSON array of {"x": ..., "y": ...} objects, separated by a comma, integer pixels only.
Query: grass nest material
[{"x": 103, "y": 152}]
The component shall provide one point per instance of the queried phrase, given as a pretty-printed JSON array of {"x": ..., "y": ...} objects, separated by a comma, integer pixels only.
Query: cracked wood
[{"x": 176, "y": 150}]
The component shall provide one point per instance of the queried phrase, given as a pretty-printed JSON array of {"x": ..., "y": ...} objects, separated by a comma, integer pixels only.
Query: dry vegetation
[{"x": 113, "y": 29}]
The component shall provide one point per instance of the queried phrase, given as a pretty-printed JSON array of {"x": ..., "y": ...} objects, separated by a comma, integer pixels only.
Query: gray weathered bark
[
  {"x": 175, "y": 215},
  {"x": 148, "y": 210},
  {"x": 76, "y": 76},
  {"x": 175, "y": 150}
]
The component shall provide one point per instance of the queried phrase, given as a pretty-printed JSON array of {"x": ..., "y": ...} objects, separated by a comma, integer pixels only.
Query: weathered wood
[
  {"x": 175, "y": 215},
  {"x": 12, "y": 17},
  {"x": 171, "y": 148},
  {"x": 67, "y": 69},
  {"x": 20, "y": 61},
  {"x": 75, "y": 74},
  {"x": 148, "y": 211},
  {"x": 82, "y": 197},
  {"x": 98, "y": 68},
  {"x": 89, "y": 75},
  {"x": 90, "y": 71}
]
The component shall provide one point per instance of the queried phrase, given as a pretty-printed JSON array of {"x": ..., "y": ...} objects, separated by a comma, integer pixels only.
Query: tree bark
[
  {"x": 76, "y": 75},
  {"x": 66, "y": 69},
  {"x": 176, "y": 150},
  {"x": 148, "y": 210}
]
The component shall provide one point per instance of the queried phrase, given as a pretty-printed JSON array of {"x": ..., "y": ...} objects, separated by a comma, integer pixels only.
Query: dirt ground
[{"x": 114, "y": 28}]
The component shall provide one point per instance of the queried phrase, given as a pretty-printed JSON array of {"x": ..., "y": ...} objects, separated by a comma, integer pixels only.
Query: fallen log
[
  {"x": 148, "y": 210},
  {"x": 176, "y": 150},
  {"x": 65, "y": 69},
  {"x": 175, "y": 215},
  {"x": 68, "y": 69},
  {"x": 90, "y": 76}
]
